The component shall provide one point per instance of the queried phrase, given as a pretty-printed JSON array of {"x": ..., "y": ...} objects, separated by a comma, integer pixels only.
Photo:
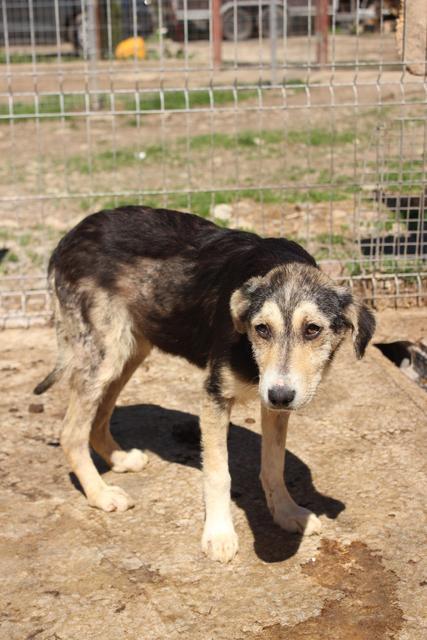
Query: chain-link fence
[{"x": 304, "y": 118}]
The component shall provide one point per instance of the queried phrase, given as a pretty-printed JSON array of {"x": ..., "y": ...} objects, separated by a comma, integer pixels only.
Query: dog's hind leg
[
  {"x": 81, "y": 412},
  {"x": 100, "y": 437},
  {"x": 102, "y": 344},
  {"x": 286, "y": 513}
]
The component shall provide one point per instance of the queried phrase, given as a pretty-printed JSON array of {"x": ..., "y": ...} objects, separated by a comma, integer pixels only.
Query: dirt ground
[{"x": 356, "y": 457}]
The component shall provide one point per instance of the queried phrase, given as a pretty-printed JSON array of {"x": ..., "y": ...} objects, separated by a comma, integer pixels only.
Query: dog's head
[{"x": 296, "y": 318}]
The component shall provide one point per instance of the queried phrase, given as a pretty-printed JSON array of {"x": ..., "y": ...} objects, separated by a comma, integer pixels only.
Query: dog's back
[{"x": 174, "y": 273}]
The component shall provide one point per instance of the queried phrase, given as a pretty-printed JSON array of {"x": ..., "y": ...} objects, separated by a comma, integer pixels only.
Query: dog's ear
[
  {"x": 240, "y": 302},
  {"x": 360, "y": 319}
]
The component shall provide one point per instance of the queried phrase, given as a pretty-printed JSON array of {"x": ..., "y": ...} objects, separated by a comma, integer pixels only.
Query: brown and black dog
[{"x": 256, "y": 313}]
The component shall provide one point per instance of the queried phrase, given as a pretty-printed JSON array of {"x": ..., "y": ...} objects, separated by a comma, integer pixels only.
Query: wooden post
[
  {"x": 411, "y": 36},
  {"x": 322, "y": 25},
  {"x": 273, "y": 40},
  {"x": 93, "y": 51},
  {"x": 217, "y": 32}
]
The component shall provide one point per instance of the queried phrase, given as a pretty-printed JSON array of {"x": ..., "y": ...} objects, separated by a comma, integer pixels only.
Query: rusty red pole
[
  {"x": 217, "y": 32},
  {"x": 322, "y": 25}
]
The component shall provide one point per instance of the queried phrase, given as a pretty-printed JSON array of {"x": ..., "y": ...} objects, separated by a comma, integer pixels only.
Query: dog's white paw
[
  {"x": 111, "y": 498},
  {"x": 298, "y": 520},
  {"x": 133, "y": 460},
  {"x": 220, "y": 544}
]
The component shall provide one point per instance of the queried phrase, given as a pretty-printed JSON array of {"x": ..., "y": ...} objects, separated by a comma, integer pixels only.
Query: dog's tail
[
  {"x": 50, "y": 380},
  {"x": 63, "y": 354}
]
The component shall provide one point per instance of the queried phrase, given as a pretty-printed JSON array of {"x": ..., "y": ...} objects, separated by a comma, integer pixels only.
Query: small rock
[
  {"x": 222, "y": 211},
  {"x": 131, "y": 564},
  {"x": 36, "y": 408}
]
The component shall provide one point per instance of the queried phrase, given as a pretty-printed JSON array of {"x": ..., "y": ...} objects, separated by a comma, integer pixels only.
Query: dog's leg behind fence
[
  {"x": 286, "y": 513},
  {"x": 219, "y": 538}
]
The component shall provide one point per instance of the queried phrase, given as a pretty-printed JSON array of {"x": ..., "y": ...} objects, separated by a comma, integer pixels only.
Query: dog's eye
[
  {"x": 311, "y": 330},
  {"x": 263, "y": 330}
]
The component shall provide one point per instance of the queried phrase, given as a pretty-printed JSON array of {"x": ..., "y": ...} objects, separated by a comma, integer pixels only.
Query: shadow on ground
[{"x": 175, "y": 437}]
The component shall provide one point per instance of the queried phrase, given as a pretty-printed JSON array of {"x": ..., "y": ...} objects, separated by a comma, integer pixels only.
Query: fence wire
[{"x": 307, "y": 119}]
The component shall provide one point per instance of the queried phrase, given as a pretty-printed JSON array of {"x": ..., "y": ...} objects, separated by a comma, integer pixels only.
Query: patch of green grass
[
  {"x": 79, "y": 164},
  {"x": 387, "y": 265},
  {"x": 46, "y": 105},
  {"x": 296, "y": 84},
  {"x": 150, "y": 101},
  {"x": 25, "y": 58},
  {"x": 316, "y": 195},
  {"x": 316, "y": 137},
  {"x": 353, "y": 268},
  {"x": 24, "y": 239},
  {"x": 223, "y": 140},
  {"x": 36, "y": 258},
  {"x": 104, "y": 161},
  {"x": 199, "y": 202},
  {"x": 11, "y": 257},
  {"x": 326, "y": 176},
  {"x": 180, "y": 100},
  {"x": 202, "y": 202},
  {"x": 112, "y": 160},
  {"x": 394, "y": 265},
  {"x": 272, "y": 136},
  {"x": 407, "y": 175},
  {"x": 320, "y": 137}
]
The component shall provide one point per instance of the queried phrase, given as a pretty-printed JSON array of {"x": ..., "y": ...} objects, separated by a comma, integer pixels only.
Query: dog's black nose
[{"x": 281, "y": 396}]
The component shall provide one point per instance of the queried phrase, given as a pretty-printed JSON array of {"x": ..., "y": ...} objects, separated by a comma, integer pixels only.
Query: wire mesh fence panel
[{"x": 304, "y": 119}]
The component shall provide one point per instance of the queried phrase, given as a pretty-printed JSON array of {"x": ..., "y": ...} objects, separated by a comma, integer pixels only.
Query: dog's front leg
[
  {"x": 286, "y": 513},
  {"x": 219, "y": 539}
]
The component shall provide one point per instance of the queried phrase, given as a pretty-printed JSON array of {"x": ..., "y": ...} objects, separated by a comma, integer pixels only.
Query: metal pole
[
  {"x": 322, "y": 24},
  {"x": 273, "y": 41},
  {"x": 217, "y": 32}
]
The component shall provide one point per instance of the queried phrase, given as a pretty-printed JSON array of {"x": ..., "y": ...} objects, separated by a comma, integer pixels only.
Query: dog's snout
[{"x": 280, "y": 395}]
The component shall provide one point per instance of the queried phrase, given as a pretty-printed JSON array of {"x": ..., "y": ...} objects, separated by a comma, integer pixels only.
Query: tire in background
[{"x": 244, "y": 23}]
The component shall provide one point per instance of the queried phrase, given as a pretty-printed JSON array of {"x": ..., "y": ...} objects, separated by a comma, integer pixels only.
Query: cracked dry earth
[{"x": 356, "y": 457}]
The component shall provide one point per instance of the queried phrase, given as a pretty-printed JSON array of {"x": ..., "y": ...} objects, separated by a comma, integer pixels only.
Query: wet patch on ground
[{"x": 366, "y": 605}]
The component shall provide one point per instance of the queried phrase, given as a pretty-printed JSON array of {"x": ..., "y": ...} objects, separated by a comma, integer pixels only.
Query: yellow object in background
[{"x": 131, "y": 48}]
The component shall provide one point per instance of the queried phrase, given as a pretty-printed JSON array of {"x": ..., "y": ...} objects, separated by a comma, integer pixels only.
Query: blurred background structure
[{"x": 301, "y": 118}]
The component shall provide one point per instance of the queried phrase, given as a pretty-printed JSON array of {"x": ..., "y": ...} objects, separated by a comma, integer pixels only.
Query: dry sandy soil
[{"x": 356, "y": 457}]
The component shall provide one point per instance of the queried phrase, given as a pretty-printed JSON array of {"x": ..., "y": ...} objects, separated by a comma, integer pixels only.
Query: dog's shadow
[{"x": 175, "y": 437}]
